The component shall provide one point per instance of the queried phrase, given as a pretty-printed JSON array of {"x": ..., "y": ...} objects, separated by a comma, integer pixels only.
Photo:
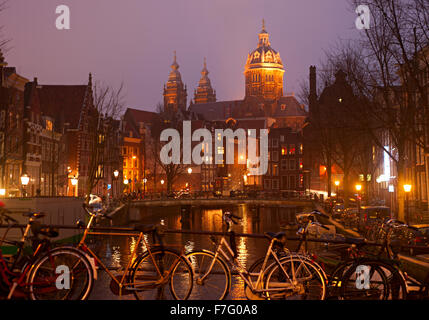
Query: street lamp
[
  {"x": 74, "y": 182},
  {"x": 115, "y": 178},
  {"x": 337, "y": 184},
  {"x": 25, "y": 179},
  {"x": 407, "y": 189},
  {"x": 162, "y": 188},
  {"x": 125, "y": 181},
  {"x": 358, "y": 189},
  {"x": 189, "y": 170}
]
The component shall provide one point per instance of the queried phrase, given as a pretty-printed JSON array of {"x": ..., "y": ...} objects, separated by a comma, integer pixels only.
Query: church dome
[{"x": 264, "y": 55}]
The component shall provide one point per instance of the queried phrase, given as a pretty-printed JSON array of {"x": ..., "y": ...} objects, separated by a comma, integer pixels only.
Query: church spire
[
  {"x": 175, "y": 94},
  {"x": 264, "y": 37},
  {"x": 204, "y": 92}
]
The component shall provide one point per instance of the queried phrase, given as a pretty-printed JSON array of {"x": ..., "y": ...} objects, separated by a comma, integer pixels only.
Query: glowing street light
[
  {"x": 189, "y": 170},
  {"x": 25, "y": 179},
  {"x": 358, "y": 187},
  {"x": 125, "y": 181},
  {"x": 337, "y": 183},
  {"x": 162, "y": 181},
  {"x": 116, "y": 174},
  {"x": 407, "y": 189},
  {"x": 74, "y": 181}
]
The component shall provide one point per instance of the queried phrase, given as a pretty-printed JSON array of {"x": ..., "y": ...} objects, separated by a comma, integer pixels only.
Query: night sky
[{"x": 132, "y": 41}]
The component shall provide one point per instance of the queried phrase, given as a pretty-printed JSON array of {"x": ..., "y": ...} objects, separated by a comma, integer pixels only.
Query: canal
[{"x": 115, "y": 251}]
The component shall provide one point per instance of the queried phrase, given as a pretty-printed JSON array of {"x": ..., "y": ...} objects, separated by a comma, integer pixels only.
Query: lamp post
[
  {"x": 74, "y": 182},
  {"x": 407, "y": 189},
  {"x": 25, "y": 179},
  {"x": 144, "y": 187},
  {"x": 337, "y": 184},
  {"x": 358, "y": 189},
  {"x": 115, "y": 176}
]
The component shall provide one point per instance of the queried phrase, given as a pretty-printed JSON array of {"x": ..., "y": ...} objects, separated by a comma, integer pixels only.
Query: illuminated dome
[
  {"x": 264, "y": 70},
  {"x": 264, "y": 55}
]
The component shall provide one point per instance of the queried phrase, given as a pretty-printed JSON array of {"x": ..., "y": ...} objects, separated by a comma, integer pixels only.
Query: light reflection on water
[{"x": 117, "y": 250}]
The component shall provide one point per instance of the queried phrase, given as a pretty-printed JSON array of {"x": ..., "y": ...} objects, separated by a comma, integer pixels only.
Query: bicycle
[
  {"x": 386, "y": 281},
  {"x": 145, "y": 275},
  {"x": 282, "y": 275},
  {"x": 36, "y": 276}
]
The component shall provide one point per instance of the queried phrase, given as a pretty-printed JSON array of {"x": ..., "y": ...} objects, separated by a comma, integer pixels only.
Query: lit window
[
  {"x": 49, "y": 125},
  {"x": 283, "y": 107},
  {"x": 220, "y": 150},
  {"x": 292, "y": 149}
]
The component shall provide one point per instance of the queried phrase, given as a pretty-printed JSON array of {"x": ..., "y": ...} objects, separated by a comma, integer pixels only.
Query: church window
[{"x": 283, "y": 107}]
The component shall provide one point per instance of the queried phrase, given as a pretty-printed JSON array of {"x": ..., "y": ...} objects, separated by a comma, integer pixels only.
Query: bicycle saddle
[
  {"x": 273, "y": 235},
  {"x": 356, "y": 241},
  {"x": 36, "y": 215}
]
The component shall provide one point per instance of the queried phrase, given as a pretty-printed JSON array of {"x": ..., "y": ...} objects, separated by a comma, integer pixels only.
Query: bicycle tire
[
  {"x": 45, "y": 271},
  {"x": 312, "y": 283},
  {"x": 145, "y": 269},
  {"x": 201, "y": 290},
  {"x": 350, "y": 290}
]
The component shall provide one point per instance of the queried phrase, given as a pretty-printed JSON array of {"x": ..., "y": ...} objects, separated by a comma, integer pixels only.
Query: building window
[
  {"x": 49, "y": 125},
  {"x": 292, "y": 182},
  {"x": 291, "y": 149},
  {"x": 220, "y": 150},
  {"x": 284, "y": 164},
  {"x": 284, "y": 151},
  {"x": 275, "y": 184},
  {"x": 275, "y": 143},
  {"x": 275, "y": 170},
  {"x": 282, "y": 138},
  {"x": 267, "y": 184},
  {"x": 275, "y": 156},
  {"x": 284, "y": 183},
  {"x": 283, "y": 107},
  {"x": 292, "y": 164},
  {"x": 301, "y": 164}
]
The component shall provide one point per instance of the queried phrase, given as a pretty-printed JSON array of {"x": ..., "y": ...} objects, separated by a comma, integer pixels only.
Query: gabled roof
[
  {"x": 64, "y": 103},
  {"x": 141, "y": 115}
]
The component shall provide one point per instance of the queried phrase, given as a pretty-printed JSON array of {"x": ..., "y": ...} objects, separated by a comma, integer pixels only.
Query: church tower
[
  {"x": 204, "y": 93},
  {"x": 175, "y": 94},
  {"x": 264, "y": 70}
]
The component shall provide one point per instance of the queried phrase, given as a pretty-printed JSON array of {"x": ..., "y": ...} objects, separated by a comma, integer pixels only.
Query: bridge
[{"x": 220, "y": 202}]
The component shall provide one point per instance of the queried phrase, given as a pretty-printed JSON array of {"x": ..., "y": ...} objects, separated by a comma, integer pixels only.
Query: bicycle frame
[
  {"x": 245, "y": 275},
  {"x": 164, "y": 277}
]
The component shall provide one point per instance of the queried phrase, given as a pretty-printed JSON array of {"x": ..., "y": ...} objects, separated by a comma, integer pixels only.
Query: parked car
[{"x": 372, "y": 214}]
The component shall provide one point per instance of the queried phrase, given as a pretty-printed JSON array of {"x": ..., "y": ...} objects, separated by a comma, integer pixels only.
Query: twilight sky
[{"x": 133, "y": 41}]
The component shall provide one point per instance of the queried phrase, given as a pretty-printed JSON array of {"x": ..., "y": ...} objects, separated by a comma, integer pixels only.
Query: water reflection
[{"x": 117, "y": 250}]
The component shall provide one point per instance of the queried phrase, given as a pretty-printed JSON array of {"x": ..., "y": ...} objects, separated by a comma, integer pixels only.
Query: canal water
[{"x": 115, "y": 251}]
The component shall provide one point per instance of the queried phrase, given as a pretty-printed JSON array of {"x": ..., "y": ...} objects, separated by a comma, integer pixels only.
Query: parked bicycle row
[{"x": 162, "y": 271}]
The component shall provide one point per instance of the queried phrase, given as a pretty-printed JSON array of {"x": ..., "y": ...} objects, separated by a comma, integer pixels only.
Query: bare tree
[
  {"x": 108, "y": 103},
  {"x": 166, "y": 119}
]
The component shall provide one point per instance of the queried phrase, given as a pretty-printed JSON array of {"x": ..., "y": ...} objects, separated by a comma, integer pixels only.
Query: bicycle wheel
[
  {"x": 209, "y": 284},
  {"x": 307, "y": 284},
  {"x": 154, "y": 270},
  {"x": 364, "y": 280},
  {"x": 61, "y": 274}
]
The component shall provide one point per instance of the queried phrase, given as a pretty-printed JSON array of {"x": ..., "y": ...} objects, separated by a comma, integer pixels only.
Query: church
[
  {"x": 264, "y": 91},
  {"x": 264, "y": 106}
]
